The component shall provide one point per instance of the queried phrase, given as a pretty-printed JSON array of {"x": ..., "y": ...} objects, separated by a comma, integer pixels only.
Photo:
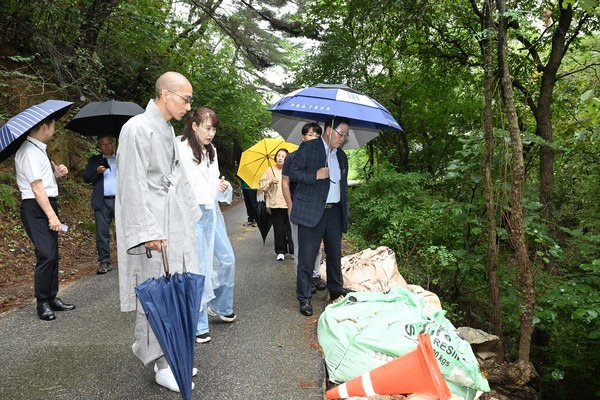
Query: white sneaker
[
  {"x": 203, "y": 338},
  {"x": 280, "y": 257},
  {"x": 225, "y": 318},
  {"x": 165, "y": 378},
  {"x": 194, "y": 370}
]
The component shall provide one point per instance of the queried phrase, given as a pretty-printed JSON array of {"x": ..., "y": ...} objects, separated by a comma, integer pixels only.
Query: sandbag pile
[{"x": 371, "y": 327}]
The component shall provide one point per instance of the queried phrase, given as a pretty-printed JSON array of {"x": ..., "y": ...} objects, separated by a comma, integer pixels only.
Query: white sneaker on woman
[{"x": 280, "y": 257}]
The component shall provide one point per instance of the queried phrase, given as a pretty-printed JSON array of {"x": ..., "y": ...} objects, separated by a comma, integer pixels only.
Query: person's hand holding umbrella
[
  {"x": 103, "y": 165},
  {"x": 323, "y": 173},
  {"x": 156, "y": 245}
]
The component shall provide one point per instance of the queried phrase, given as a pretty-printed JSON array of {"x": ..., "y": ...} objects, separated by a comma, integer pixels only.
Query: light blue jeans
[{"x": 224, "y": 264}]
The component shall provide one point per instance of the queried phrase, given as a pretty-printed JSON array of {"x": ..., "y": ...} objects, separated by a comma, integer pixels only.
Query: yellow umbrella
[{"x": 255, "y": 161}]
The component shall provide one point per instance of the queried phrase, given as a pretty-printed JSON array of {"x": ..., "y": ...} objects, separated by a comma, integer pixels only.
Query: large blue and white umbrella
[
  {"x": 14, "y": 132},
  {"x": 322, "y": 102}
]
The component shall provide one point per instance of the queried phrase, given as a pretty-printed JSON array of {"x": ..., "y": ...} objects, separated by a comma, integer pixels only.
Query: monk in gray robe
[{"x": 154, "y": 204}]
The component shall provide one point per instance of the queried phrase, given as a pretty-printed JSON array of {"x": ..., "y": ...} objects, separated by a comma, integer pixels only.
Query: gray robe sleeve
[{"x": 138, "y": 203}]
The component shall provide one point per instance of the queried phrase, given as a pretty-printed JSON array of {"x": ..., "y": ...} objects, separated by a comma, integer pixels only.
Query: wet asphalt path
[{"x": 269, "y": 352}]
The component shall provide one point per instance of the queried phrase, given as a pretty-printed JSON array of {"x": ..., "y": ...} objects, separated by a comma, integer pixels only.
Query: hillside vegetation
[{"x": 489, "y": 195}]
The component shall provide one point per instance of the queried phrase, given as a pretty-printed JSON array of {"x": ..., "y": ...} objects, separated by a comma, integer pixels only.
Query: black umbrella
[
  {"x": 14, "y": 132},
  {"x": 103, "y": 117},
  {"x": 263, "y": 219}
]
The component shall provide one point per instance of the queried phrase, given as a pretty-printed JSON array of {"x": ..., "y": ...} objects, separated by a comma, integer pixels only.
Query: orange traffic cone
[{"x": 415, "y": 372}]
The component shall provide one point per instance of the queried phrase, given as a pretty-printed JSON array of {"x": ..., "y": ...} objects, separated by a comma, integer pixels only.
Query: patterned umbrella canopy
[{"x": 14, "y": 132}]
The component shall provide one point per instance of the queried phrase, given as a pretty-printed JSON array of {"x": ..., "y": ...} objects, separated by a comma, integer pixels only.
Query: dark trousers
[
  {"x": 282, "y": 231},
  {"x": 250, "y": 200},
  {"x": 104, "y": 218},
  {"x": 45, "y": 243},
  {"x": 329, "y": 230}
]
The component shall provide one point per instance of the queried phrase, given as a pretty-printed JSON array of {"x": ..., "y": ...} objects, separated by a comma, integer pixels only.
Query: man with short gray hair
[{"x": 101, "y": 171}]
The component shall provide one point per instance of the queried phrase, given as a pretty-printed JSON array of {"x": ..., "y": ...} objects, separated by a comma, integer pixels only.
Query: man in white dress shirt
[{"x": 39, "y": 213}]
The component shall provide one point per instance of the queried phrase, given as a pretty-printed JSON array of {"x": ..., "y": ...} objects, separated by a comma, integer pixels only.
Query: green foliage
[
  {"x": 589, "y": 109},
  {"x": 7, "y": 199},
  {"x": 568, "y": 325},
  {"x": 396, "y": 210}
]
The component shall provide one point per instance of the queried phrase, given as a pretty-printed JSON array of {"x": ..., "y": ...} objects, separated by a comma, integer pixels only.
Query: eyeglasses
[
  {"x": 345, "y": 136},
  {"x": 188, "y": 100}
]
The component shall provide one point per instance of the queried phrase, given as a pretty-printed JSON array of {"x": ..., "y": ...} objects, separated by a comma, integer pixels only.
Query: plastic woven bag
[{"x": 367, "y": 329}]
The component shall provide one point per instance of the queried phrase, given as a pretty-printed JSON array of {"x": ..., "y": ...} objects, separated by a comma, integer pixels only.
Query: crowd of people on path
[{"x": 163, "y": 192}]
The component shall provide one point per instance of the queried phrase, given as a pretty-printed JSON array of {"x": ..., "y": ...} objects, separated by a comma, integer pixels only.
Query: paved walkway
[{"x": 269, "y": 352}]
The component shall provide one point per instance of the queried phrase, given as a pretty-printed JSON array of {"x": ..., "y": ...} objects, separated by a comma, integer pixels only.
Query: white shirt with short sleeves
[{"x": 32, "y": 164}]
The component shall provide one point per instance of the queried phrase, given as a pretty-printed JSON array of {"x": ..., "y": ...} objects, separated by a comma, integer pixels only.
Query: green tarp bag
[{"x": 367, "y": 329}]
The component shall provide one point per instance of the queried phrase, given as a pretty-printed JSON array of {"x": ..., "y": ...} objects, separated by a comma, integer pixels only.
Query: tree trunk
[
  {"x": 96, "y": 16},
  {"x": 543, "y": 112},
  {"x": 402, "y": 144},
  {"x": 488, "y": 129},
  {"x": 404, "y": 151},
  {"x": 517, "y": 234},
  {"x": 542, "y": 109}
]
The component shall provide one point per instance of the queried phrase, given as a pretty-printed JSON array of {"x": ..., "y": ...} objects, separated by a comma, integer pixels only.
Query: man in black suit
[
  {"x": 101, "y": 171},
  {"x": 321, "y": 208}
]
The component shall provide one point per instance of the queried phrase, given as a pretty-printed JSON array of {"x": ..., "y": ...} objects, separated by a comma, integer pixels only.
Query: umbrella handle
[{"x": 163, "y": 251}]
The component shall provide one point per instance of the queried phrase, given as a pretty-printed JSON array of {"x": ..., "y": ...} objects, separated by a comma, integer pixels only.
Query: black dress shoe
[
  {"x": 44, "y": 311},
  {"x": 318, "y": 283},
  {"x": 103, "y": 268},
  {"x": 337, "y": 296},
  {"x": 57, "y": 305},
  {"x": 306, "y": 308}
]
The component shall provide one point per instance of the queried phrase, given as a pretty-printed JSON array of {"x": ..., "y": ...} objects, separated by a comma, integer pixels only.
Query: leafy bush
[
  {"x": 7, "y": 199},
  {"x": 396, "y": 210}
]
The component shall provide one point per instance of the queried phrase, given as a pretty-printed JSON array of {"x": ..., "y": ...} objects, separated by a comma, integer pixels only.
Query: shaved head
[{"x": 171, "y": 81}]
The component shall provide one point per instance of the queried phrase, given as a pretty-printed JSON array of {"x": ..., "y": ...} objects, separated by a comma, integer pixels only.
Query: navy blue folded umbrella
[
  {"x": 321, "y": 103},
  {"x": 172, "y": 306},
  {"x": 14, "y": 132}
]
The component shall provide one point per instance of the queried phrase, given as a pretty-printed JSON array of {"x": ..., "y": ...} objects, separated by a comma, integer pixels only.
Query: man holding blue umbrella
[
  {"x": 320, "y": 209},
  {"x": 36, "y": 179},
  {"x": 155, "y": 208}
]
